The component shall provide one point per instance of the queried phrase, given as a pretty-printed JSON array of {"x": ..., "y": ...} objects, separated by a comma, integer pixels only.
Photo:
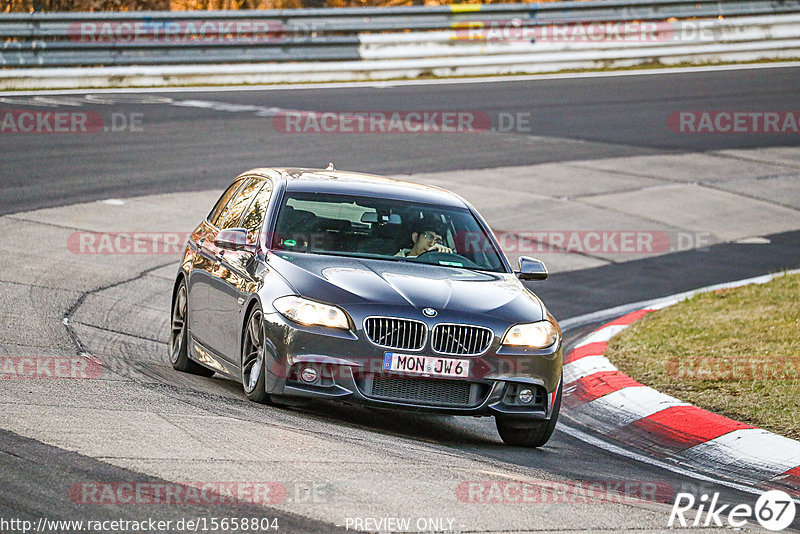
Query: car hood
[{"x": 357, "y": 282}]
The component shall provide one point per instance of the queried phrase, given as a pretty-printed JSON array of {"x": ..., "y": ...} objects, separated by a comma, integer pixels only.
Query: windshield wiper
[{"x": 356, "y": 255}]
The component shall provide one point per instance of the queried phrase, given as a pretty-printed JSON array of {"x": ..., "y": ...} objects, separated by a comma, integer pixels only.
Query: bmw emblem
[{"x": 429, "y": 312}]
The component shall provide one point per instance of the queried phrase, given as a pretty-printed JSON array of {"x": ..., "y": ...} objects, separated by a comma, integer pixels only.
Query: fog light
[
  {"x": 525, "y": 396},
  {"x": 309, "y": 375}
]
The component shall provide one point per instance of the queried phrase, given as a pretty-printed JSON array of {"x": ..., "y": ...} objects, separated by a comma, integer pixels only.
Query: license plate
[{"x": 425, "y": 365}]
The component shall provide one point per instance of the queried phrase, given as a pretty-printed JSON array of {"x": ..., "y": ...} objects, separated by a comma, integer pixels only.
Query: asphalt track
[{"x": 186, "y": 148}]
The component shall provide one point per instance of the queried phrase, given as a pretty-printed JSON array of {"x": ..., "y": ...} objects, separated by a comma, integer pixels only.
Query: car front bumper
[{"x": 348, "y": 366}]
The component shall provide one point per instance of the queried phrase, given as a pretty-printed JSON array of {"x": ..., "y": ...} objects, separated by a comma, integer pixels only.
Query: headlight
[
  {"x": 308, "y": 312},
  {"x": 537, "y": 335}
]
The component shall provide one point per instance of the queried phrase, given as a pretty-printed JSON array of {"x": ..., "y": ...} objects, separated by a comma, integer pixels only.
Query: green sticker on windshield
[
  {"x": 451, "y": 263},
  {"x": 290, "y": 243}
]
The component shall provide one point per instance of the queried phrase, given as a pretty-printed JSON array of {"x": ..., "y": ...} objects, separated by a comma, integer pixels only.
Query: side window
[
  {"x": 255, "y": 214},
  {"x": 213, "y": 217},
  {"x": 235, "y": 208}
]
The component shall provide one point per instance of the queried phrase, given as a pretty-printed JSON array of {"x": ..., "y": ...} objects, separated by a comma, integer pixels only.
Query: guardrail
[{"x": 370, "y": 43}]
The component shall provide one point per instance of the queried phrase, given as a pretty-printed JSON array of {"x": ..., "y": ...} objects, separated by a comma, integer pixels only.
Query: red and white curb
[{"x": 600, "y": 397}]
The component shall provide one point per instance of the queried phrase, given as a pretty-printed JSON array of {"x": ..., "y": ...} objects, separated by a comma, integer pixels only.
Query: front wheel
[
  {"x": 179, "y": 337},
  {"x": 520, "y": 433},
  {"x": 254, "y": 350}
]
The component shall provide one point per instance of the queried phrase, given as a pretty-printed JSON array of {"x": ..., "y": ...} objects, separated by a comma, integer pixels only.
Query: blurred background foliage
[{"x": 184, "y": 5}]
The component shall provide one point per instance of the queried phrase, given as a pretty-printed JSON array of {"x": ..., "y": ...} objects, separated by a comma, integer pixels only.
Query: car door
[
  {"x": 233, "y": 276},
  {"x": 204, "y": 265}
]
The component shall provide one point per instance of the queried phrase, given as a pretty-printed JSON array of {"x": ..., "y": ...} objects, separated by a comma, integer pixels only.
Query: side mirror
[
  {"x": 233, "y": 239},
  {"x": 531, "y": 269}
]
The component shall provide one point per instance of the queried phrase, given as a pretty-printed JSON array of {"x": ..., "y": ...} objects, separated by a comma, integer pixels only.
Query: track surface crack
[{"x": 79, "y": 346}]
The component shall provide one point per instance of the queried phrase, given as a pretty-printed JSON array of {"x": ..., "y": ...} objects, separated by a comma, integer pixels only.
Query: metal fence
[
  {"x": 168, "y": 48},
  {"x": 170, "y": 38}
]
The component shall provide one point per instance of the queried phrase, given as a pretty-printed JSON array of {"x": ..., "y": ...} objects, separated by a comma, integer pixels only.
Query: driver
[{"x": 424, "y": 239}]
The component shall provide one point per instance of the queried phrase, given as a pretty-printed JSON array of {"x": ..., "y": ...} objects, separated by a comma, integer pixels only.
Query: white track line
[
  {"x": 627, "y": 405},
  {"x": 588, "y": 365},
  {"x": 600, "y": 444},
  {"x": 774, "y": 454},
  {"x": 602, "y": 335}
]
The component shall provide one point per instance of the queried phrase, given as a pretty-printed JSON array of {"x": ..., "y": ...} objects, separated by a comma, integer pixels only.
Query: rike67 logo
[{"x": 774, "y": 510}]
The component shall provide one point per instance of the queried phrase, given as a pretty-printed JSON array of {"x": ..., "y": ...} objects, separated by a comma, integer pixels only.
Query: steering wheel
[{"x": 434, "y": 256}]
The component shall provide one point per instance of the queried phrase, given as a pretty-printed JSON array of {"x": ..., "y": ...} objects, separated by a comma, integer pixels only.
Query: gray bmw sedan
[{"x": 306, "y": 283}]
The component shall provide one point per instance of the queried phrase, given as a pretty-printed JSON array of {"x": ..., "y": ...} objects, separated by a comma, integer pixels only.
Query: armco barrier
[{"x": 159, "y": 48}]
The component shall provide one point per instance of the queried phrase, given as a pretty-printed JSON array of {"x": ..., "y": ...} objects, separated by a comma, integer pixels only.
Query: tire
[
  {"x": 254, "y": 357},
  {"x": 179, "y": 337},
  {"x": 521, "y": 433}
]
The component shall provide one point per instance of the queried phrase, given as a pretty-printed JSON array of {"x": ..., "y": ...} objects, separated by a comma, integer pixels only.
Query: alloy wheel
[
  {"x": 253, "y": 355},
  {"x": 178, "y": 333}
]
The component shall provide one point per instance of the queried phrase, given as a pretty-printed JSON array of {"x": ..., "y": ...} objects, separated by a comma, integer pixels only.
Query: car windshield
[{"x": 387, "y": 229}]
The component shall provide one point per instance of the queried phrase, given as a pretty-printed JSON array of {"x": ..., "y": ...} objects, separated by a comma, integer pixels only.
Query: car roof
[{"x": 355, "y": 183}]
